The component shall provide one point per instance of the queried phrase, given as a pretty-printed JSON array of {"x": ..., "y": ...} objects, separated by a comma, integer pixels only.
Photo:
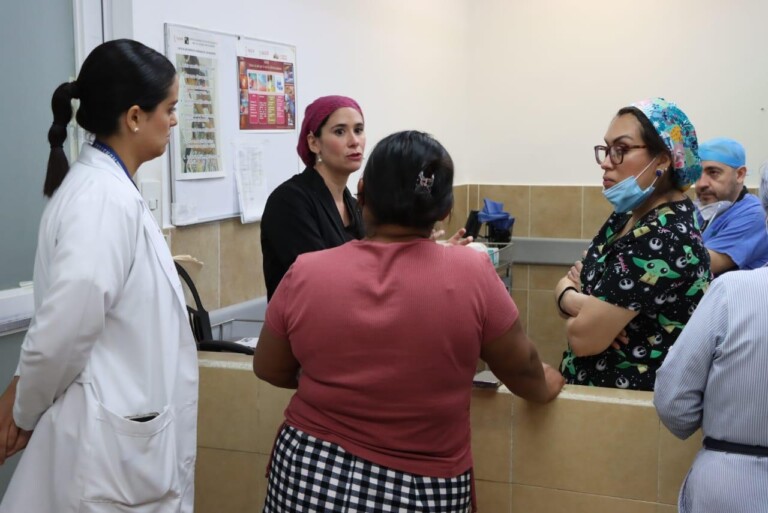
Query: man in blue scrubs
[{"x": 731, "y": 220}]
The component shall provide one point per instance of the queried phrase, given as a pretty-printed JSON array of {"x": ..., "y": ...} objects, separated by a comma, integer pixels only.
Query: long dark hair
[
  {"x": 115, "y": 76},
  {"x": 408, "y": 180}
]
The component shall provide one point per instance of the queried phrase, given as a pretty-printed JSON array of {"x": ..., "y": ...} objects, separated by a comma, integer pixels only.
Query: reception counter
[{"x": 591, "y": 450}]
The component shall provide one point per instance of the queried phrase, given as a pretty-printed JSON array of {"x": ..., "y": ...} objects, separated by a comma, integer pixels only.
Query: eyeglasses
[{"x": 616, "y": 153}]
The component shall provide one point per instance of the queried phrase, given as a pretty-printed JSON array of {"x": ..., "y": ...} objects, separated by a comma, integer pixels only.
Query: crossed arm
[{"x": 592, "y": 325}]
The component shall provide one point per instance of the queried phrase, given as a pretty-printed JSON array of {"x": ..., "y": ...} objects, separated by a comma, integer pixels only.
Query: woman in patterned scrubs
[{"x": 646, "y": 269}]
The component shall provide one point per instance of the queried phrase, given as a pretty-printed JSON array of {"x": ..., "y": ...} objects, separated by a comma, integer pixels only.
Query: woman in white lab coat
[{"x": 107, "y": 377}]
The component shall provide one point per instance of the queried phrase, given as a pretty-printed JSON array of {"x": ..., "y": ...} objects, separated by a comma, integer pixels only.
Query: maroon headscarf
[{"x": 315, "y": 114}]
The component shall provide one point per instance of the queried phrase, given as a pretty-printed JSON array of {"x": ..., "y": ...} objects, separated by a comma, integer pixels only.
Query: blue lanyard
[{"x": 109, "y": 152}]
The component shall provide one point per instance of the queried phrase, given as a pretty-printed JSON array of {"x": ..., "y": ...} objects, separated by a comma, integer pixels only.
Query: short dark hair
[
  {"x": 115, "y": 76},
  {"x": 408, "y": 180}
]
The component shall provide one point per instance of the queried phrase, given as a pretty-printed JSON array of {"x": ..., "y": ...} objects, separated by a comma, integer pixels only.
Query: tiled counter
[{"x": 592, "y": 450}]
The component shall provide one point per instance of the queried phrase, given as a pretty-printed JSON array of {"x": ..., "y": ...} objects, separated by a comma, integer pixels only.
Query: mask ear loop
[{"x": 659, "y": 172}]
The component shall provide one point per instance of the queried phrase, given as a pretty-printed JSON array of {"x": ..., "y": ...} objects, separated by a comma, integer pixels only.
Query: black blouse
[{"x": 301, "y": 216}]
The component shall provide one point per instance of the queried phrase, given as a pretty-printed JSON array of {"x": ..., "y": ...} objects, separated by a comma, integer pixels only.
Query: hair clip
[{"x": 424, "y": 183}]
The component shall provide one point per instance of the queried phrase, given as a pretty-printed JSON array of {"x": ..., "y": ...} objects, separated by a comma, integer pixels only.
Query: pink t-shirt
[{"x": 388, "y": 336}]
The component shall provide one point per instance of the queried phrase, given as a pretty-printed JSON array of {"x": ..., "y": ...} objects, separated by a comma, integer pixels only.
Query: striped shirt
[{"x": 715, "y": 378}]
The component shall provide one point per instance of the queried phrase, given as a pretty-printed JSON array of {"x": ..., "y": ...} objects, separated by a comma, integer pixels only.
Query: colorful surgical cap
[{"x": 678, "y": 134}]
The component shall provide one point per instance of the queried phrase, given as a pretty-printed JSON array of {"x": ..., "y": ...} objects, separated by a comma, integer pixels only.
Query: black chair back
[
  {"x": 200, "y": 322},
  {"x": 198, "y": 317}
]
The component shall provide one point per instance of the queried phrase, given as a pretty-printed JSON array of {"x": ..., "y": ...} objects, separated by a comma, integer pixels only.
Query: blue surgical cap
[{"x": 723, "y": 150}]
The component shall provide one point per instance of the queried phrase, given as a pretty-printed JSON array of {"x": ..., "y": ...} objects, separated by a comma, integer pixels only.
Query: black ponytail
[
  {"x": 115, "y": 76},
  {"x": 58, "y": 166}
]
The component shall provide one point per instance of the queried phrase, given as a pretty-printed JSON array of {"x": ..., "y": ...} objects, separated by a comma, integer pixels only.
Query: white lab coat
[{"x": 110, "y": 339}]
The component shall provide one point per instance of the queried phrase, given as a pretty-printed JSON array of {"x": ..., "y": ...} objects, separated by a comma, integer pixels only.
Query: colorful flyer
[{"x": 266, "y": 85}]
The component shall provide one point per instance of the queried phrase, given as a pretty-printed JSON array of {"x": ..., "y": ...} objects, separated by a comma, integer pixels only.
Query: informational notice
[
  {"x": 266, "y": 77},
  {"x": 197, "y": 62}
]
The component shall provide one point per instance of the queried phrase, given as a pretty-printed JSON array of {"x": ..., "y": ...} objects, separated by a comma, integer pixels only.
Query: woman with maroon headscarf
[{"x": 314, "y": 210}]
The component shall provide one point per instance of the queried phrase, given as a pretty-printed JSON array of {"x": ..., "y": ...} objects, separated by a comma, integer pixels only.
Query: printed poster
[
  {"x": 266, "y": 77},
  {"x": 197, "y": 62}
]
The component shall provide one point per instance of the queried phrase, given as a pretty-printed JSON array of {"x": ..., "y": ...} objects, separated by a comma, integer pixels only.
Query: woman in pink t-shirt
[{"x": 386, "y": 332}]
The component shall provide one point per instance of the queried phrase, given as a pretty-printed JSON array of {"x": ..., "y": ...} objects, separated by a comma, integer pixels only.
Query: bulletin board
[{"x": 236, "y": 135}]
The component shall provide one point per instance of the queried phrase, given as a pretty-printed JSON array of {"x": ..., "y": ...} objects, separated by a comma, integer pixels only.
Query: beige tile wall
[
  {"x": 231, "y": 251},
  {"x": 574, "y": 212},
  {"x": 231, "y": 256},
  {"x": 568, "y": 211},
  {"x": 591, "y": 450},
  {"x": 571, "y": 456}
]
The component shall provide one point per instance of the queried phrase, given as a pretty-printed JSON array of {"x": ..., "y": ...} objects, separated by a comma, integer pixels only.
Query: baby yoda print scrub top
[{"x": 660, "y": 269}]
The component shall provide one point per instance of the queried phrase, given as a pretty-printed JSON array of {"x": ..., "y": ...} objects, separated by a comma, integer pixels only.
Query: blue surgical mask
[{"x": 627, "y": 194}]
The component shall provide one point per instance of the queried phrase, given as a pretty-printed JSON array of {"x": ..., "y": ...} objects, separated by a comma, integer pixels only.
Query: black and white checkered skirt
[{"x": 310, "y": 475}]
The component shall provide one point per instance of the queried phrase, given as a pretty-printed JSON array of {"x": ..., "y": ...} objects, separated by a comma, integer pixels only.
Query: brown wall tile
[
  {"x": 675, "y": 459},
  {"x": 544, "y": 323},
  {"x": 475, "y": 201},
  {"x": 571, "y": 455},
  {"x": 595, "y": 447},
  {"x": 548, "y": 333},
  {"x": 545, "y": 277},
  {"x": 493, "y": 497},
  {"x": 227, "y": 394},
  {"x": 556, "y": 211},
  {"x": 202, "y": 242},
  {"x": 242, "y": 277},
  {"x": 520, "y": 273},
  {"x": 551, "y": 350},
  {"x": 664, "y": 508},
  {"x": 461, "y": 196},
  {"x": 262, "y": 460},
  {"x": 516, "y": 200},
  {"x": 596, "y": 210},
  {"x": 491, "y": 417},
  {"x": 532, "y": 499},
  {"x": 271, "y": 405},
  {"x": 458, "y": 217},
  {"x": 228, "y": 481}
]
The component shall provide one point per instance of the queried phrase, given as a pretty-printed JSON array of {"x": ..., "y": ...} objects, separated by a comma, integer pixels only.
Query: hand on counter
[{"x": 555, "y": 381}]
